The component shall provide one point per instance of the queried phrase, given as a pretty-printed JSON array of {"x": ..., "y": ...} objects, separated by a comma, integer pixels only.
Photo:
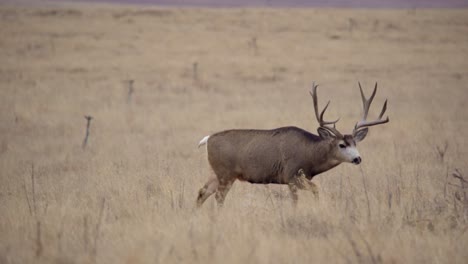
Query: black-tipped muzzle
[{"x": 357, "y": 160}]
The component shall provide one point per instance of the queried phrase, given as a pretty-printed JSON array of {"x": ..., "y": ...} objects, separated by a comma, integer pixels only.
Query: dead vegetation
[{"x": 129, "y": 196}]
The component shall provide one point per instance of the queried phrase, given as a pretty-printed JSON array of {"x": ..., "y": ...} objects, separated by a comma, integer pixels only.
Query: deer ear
[
  {"x": 360, "y": 134},
  {"x": 325, "y": 133}
]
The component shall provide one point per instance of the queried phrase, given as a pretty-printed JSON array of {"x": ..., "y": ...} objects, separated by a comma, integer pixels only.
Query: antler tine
[
  {"x": 367, "y": 102},
  {"x": 323, "y": 112},
  {"x": 319, "y": 117},
  {"x": 384, "y": 108},
  {"x": 313, "y": 93},
  {"x": 366, "y": 105},
  {"x": 322, "y": 122}
]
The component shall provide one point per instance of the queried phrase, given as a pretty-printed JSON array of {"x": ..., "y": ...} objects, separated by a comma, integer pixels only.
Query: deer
[{"x": 285, "y": 155}]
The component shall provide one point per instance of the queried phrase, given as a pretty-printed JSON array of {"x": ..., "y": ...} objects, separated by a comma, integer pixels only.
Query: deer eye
[{"x": 342, "y": 146}]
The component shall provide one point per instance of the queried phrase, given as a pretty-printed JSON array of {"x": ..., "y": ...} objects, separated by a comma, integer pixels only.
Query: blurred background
[{"x": 102, "y": 106}]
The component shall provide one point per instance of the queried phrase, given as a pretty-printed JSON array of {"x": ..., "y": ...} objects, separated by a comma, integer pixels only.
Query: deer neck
[{"x": 324, "y": 157}]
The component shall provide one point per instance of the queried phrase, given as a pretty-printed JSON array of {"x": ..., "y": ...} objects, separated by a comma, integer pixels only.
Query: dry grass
[{"x": 129, "y": 196}]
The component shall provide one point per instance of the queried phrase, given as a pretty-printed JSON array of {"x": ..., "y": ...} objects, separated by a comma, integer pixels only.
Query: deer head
[{"x": 343, "y": 147}]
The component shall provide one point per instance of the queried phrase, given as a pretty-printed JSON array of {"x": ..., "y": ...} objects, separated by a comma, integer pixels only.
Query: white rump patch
[{"x": 203, "y": 141}]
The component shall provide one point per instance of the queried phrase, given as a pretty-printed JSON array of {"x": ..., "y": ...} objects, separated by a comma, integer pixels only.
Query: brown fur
[{"x": 287, "y": 155}]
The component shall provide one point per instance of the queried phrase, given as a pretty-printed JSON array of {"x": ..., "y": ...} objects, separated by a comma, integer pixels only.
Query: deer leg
[
  {"x": 210, "y": 187},
  {"x": 306, "y": 184},
  {"x": 300, "y": 181},
  {"x": 293, "y": 189},
  {"x": 313, "y": 188},
  {"x": 223, "y": 189}
]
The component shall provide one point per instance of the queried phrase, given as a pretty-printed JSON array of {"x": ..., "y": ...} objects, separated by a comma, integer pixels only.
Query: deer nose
[{"x": 357, "y": 160}]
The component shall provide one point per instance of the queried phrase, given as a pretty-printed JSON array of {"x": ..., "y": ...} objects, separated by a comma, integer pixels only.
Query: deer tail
[{"x": 203, "y": 141}]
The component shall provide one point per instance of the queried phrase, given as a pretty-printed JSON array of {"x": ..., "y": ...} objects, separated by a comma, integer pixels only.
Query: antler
[
  {"x": 322, "y": 122},
  {"x": 366, "y": 104}
]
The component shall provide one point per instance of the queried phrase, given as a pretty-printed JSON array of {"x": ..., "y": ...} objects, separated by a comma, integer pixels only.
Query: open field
[{"x": 129, "y": 196}]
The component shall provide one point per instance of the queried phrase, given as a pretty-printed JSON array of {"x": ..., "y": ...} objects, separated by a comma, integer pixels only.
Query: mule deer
[{"x": 285, "y": 155}]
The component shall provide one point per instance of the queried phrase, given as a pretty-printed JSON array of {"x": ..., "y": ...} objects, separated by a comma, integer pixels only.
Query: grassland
[{"x": 129, "y": 195}]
